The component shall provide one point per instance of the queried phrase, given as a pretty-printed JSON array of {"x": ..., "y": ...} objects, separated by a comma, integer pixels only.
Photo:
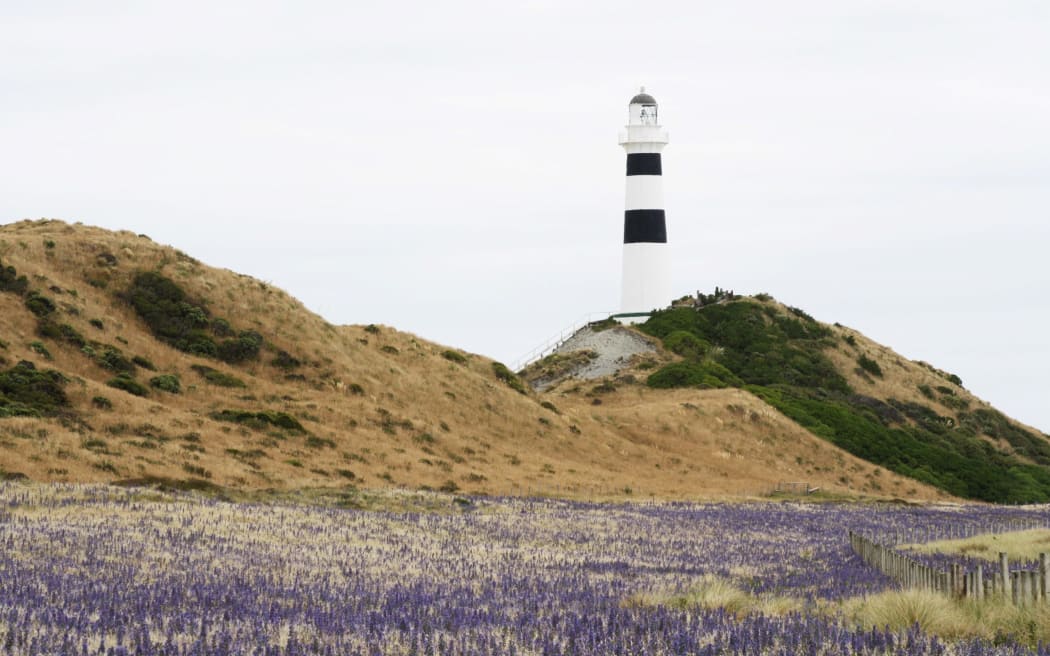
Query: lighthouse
[{"x": 646, "y": 263}]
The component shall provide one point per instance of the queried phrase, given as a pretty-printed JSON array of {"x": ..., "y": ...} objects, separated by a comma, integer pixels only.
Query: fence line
[{"x": 1021, "y": 587}]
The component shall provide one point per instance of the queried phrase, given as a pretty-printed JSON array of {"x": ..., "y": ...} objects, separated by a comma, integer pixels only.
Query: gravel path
[{"x": 615, "y": 348}]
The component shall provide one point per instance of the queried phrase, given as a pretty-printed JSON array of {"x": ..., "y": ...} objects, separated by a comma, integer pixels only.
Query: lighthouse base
[{"x": 646, "y": 278}]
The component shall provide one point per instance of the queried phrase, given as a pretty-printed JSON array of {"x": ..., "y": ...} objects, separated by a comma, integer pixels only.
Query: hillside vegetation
[
  {"x": 125, "y": 361},
  {"x": 908, "y": 417}
]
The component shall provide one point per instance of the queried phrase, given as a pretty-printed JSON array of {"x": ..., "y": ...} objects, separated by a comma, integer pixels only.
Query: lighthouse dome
[{"x": 643, "y": 99}]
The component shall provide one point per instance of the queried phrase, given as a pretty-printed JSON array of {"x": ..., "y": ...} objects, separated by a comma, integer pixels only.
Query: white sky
[{"x": 451, "y": 168}]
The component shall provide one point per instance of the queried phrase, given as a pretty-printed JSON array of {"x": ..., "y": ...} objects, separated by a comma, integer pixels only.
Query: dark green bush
[
  {"x": 27, "y": 391},
  {"x": 260, "y": 420},
  {"x": 170, "y": 315},
  {"x": 112, "y": 358},
  {"x": 693, "y": 374},
  {"x": 508, "y": 377},
  {"x": 222, "y": 328},
  {"x": 454, "y": 356},
  {"x": 166, "y": 383},
  {"x": 926, "y": 391},
  {"x": 102, "y": 403},
  {"x": 547, "y": 405},
  {"x": 315, "y": 442},
  {"x": 64, "y": 332},
  {"x": 241, "y": 348},
  {"x": 756, "y": 348},
  {"x": 850, "y": 339},
  {"x": 128, "y": 384},
  {"x": 686, "y": 344},
  {"x": 144, "y": 363},
  {"x": 39, "y": 348},
  {"x": 10, "y": 281},
  {"x": 39, "y": 304},
  {"x": 869, "y": 365},
  {"x": 372, "y": 328},
  {"x": 285, "y": 360},
  {"x": 949, "y": 459},
  {"x": 216, "y": 377}
]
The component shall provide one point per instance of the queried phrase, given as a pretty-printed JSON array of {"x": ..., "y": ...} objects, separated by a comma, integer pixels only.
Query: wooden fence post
[
  {"x": 1044, "y": 572},
  {"x": 1004, "y": 569}
]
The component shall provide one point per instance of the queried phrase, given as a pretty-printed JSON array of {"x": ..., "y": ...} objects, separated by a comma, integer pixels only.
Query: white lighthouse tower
[{"x": 646, "y": 261}]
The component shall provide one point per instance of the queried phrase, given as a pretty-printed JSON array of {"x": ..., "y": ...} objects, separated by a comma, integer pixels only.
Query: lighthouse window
[{"x": 648, "y": 115}]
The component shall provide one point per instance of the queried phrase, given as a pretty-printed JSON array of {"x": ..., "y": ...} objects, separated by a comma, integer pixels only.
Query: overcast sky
[{"x": 452, "y": 168}]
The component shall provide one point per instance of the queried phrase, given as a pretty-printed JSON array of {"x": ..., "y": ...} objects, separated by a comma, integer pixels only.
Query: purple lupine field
[{"x": 97, "y": 570}]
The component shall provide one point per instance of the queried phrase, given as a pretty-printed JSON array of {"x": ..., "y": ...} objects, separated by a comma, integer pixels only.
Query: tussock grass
[
  {"x": 1021, "y": 545},
  {"x": 898, "y": 610},
  {"x": 713, "y": 592},
  {"x": 949, "y": 618}
]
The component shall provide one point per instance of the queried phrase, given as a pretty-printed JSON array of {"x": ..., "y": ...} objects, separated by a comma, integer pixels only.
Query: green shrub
[
  {"x": 603, "y": 324},
  {"x": 315, "y": 442},
  {"x": 170, "y": 315},
  {"x": 166, "y": 383},
  {"x": 10, "y": 281},
  {"x": 507, "y": 376},
  {"x": 40, "y": 349},
  {"x": 932, "y": 451},
  {"x": 240, "y": 349},
  {"x": 112, "y": 358},
  {"x": 128, "y": 384},
  {"x": 222, "y": 328},
  {"x": 686, "y": 344},
  {"x": 144, "y": 363},
  {"x": 693, "y": 374},
  {"x": 260, "y": 420},
  {"x": 285, "y": 360},
  {"x": 64, "y": 332},
  {"x": 550, "y": 406},
  {"x": 926, "y": 391},
  {"x": 454, "y": 356},
  {"x": 356, "y": 389},
  {"x": 27, "y": 391},
  {"x": 851, "y": 340},
  {"x": 869, "y": 365},
  {"x": 102, "y": 403},
  {"x": 39, "y": 304},
  {"x": 216, "y": 377},
  {"x": 393, "y": 350},
  {"x": 756, "y": 348}
]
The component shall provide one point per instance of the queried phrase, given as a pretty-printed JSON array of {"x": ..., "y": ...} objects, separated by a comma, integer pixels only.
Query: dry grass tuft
[
  {"x": 949, "y": 618},
  {"x": 715, "y": 592},
  {"x": 1021, "y": 545}
]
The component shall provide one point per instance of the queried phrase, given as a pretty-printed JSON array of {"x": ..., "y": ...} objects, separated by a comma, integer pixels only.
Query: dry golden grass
[
  {"x": 384, "y": 408},
  {"x": 1021, "y": 545},
  {"x": 949, "y": 618},
  {"x": 899, "y": 610}
]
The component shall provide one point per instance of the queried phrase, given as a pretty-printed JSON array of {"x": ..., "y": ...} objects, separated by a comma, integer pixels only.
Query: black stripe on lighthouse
[
  {"x": 644, "y": 164},
  {"x": 644, "y": 226}
]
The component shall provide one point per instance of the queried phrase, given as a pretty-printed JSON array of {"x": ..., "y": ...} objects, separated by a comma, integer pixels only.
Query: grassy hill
[
  {"x": 122, "y": 360},
  {"x": 907, "y": 416}
]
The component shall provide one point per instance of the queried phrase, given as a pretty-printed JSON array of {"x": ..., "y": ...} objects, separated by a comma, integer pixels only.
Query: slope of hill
[
  {"x": 125, "y": 360},
  {"x": 906, "y": 416}
]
